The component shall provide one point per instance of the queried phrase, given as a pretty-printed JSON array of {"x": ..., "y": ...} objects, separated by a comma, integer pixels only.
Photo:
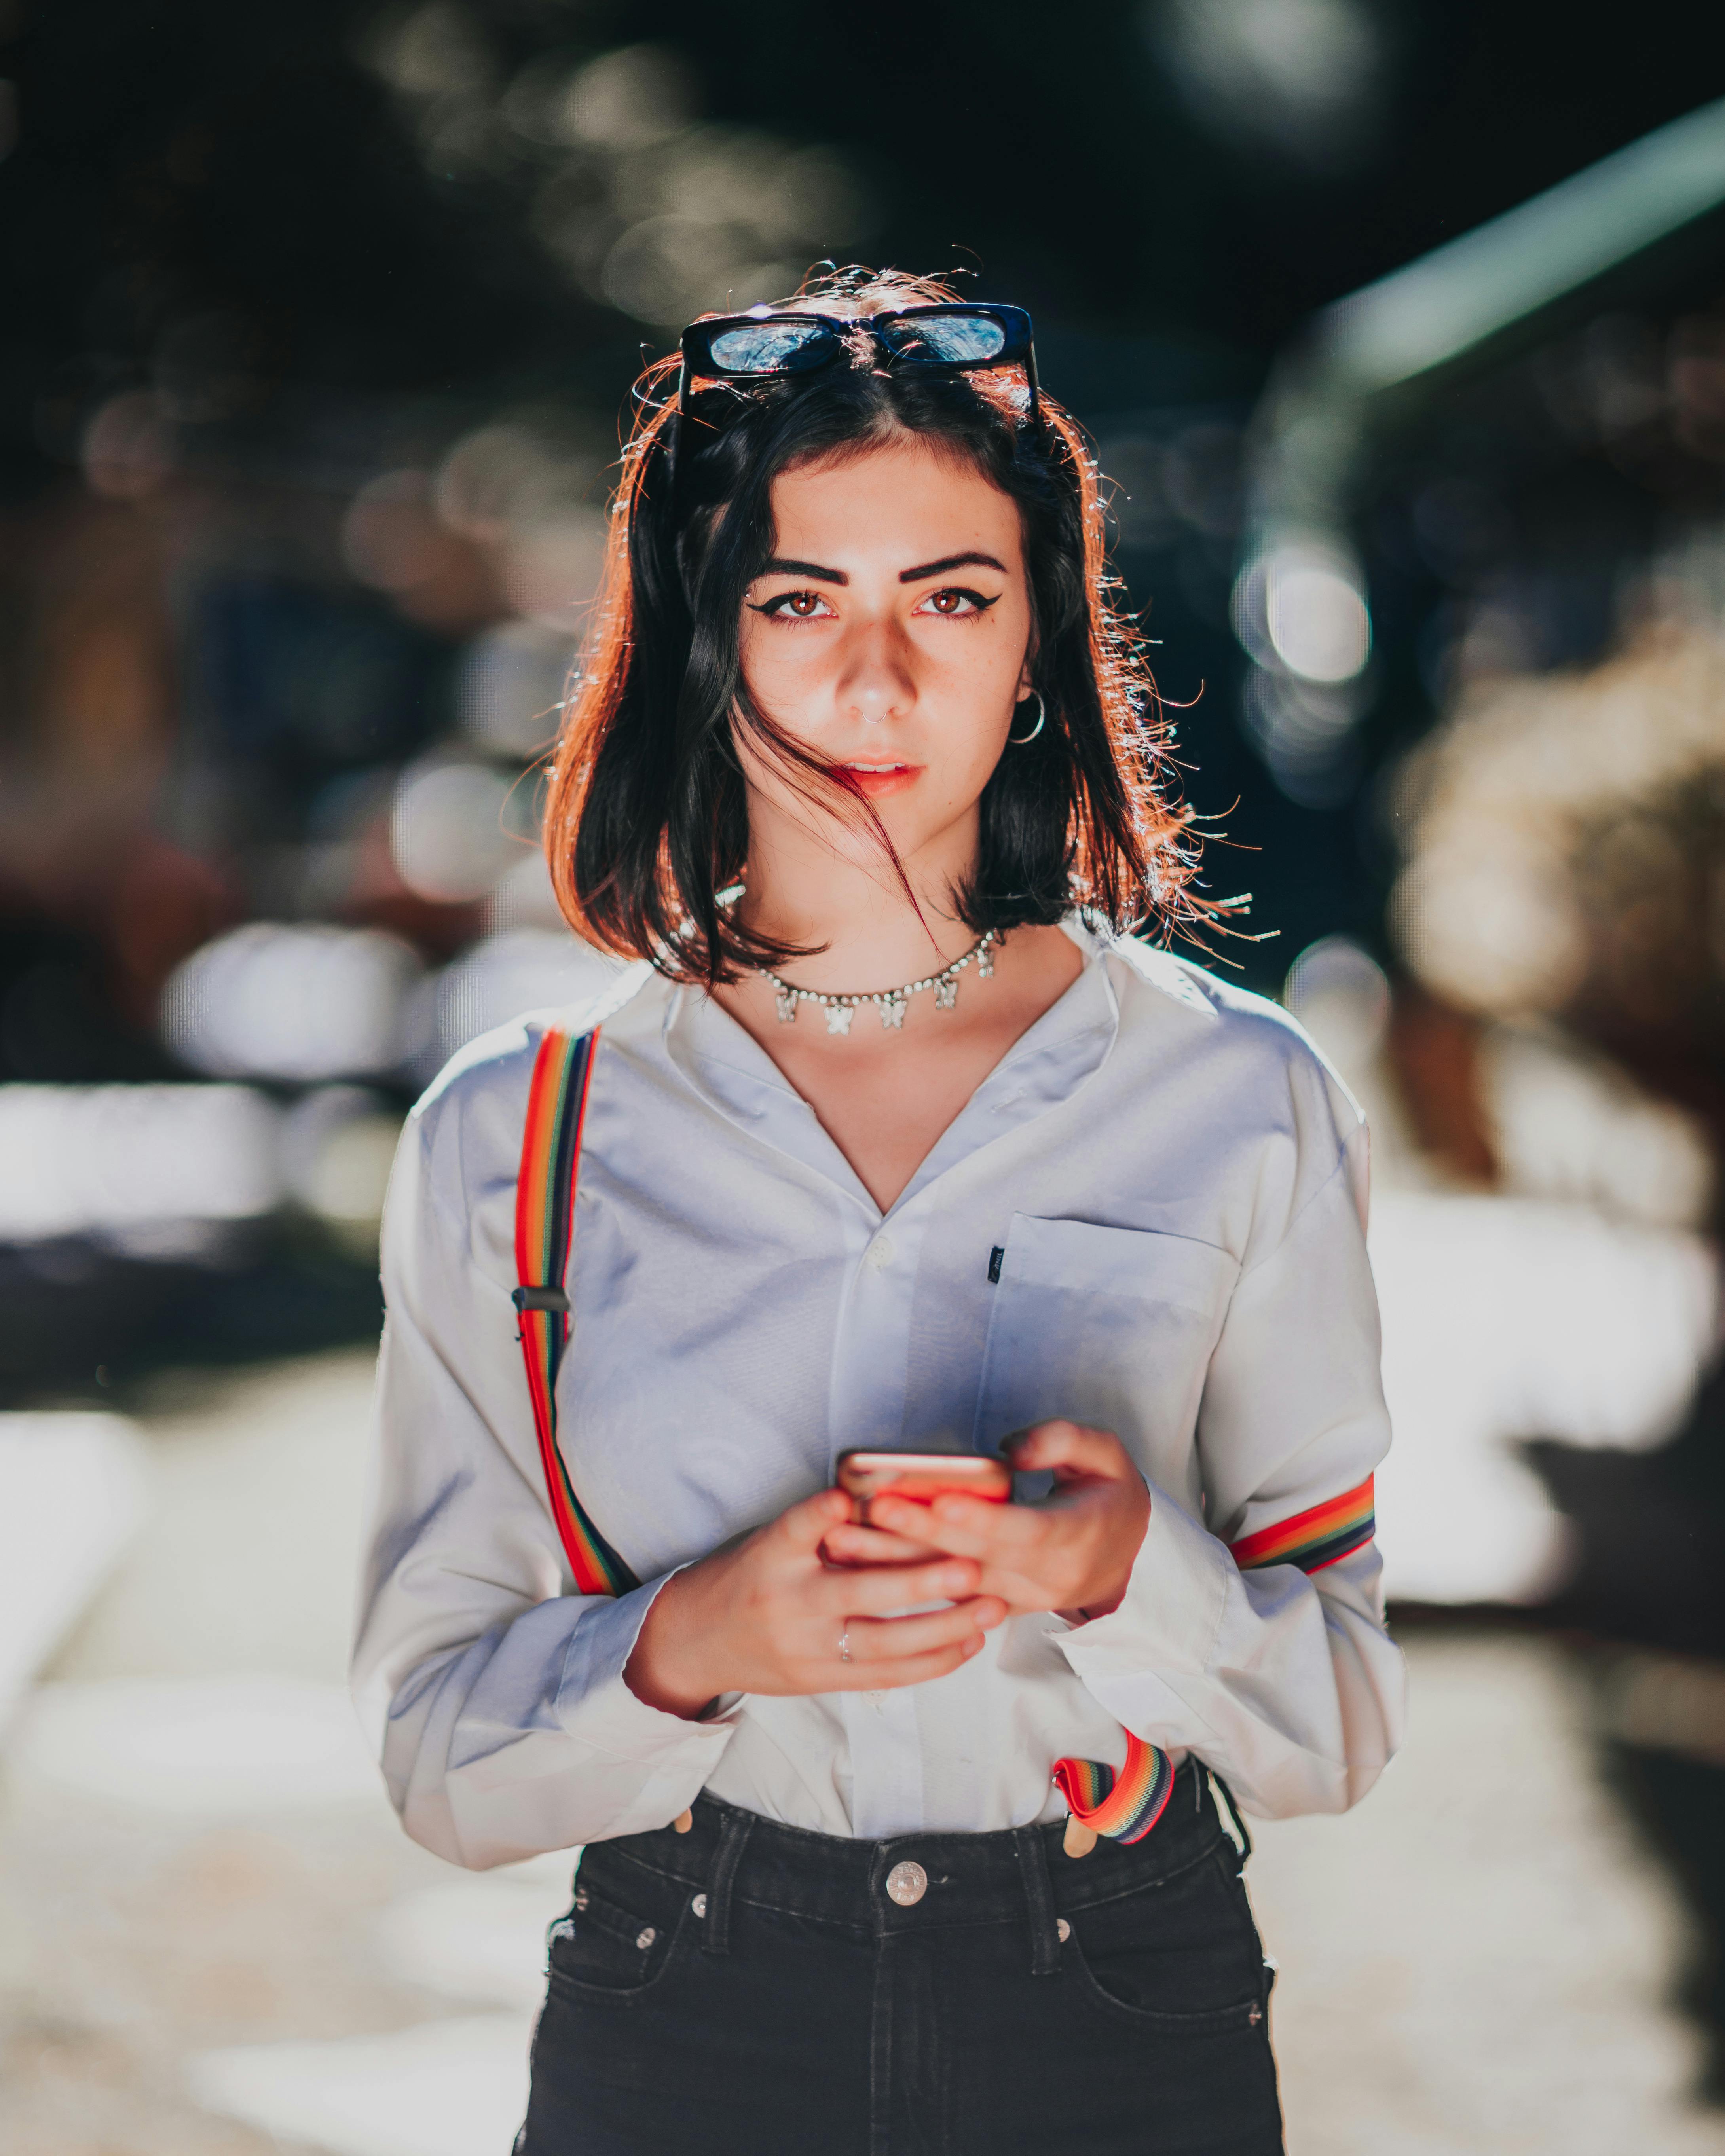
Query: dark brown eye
[
  {"x": 794, "y": 606},
  {"x": 955, "y": 604}
]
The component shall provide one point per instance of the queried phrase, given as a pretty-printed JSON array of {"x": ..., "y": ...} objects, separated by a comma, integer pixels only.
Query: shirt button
[
  {"x": 881, "y": 1253},
  {"x": 906, "y": 1883}
]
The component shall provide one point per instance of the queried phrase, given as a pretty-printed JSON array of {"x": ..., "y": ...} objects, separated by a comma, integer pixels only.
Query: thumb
[
  {"x": 805, "y": 1525},
  {"x": 1067, "y": 1446}
]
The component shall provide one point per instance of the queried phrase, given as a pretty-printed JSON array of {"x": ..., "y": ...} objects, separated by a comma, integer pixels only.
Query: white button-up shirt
[{"x": 1174, "y": 1183}]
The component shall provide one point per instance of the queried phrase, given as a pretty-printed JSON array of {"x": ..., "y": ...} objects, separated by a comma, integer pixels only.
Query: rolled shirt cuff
[
  {"x": 595, "y": 1703},
  {"x": 1165, "y": 1628}
]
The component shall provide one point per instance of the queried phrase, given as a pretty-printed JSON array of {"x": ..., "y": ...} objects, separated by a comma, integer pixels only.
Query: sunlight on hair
[{"x": 1091, "y": 817}]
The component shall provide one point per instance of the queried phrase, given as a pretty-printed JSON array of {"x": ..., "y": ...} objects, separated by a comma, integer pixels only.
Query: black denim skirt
[{"x": 752, "y": 1987}]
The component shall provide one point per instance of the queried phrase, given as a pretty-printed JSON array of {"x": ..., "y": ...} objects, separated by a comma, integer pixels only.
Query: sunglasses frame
[{"x": 696, "y": 346}]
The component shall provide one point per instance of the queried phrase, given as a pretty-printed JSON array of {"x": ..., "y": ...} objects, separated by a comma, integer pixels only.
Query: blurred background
[{"x": 1401, "y": 330}]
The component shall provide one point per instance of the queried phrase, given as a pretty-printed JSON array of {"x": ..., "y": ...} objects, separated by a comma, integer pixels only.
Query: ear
[{"x": 1027, "y": 680}]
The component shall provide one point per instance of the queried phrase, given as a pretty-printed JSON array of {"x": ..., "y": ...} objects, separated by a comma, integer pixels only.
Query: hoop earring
[{"x": 1024, "y": 741}]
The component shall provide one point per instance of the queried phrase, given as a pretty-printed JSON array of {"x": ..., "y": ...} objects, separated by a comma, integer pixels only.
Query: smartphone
[{"x": 920, "y": 1477}]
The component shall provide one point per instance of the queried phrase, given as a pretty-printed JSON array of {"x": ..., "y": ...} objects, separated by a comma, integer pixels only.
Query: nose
[{"x": 875, "y": 683}]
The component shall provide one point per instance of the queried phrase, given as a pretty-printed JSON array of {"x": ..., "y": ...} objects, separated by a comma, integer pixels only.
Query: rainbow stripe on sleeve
[
  {"x": 1123, "y": 1805},
  {"x": 544, "y": 1214},
  {"x": 1320, "y": 1536}
]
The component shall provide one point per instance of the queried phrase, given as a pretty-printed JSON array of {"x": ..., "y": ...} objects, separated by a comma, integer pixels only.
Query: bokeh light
[
  {"x": 515, "y": 970},
  {"x": 337, "y": 1144},
  {"x": 304, "y": 1001},
  {"x": 446, "y": 829},
  {"x": 1305, "y": 77},
  {"x": 1340, "y": 995},
  {"x": 513, "y": 680},
  {"x": 1315, "y": 614},
  {"x": 1552, "y": 827},
  {"x": 144, "y": 1168}
]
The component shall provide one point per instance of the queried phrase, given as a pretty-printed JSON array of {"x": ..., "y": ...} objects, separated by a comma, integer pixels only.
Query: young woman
[{"x": 897, "y": 1136}]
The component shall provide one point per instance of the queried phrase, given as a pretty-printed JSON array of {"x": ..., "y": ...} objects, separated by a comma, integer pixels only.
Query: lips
[{"x": 876, "y": 779}]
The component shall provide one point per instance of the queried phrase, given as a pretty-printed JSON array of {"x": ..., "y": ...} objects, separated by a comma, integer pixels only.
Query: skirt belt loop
[
  {"x": 733, "y": 1835},
  {"x": 1039, "y": 1900}
]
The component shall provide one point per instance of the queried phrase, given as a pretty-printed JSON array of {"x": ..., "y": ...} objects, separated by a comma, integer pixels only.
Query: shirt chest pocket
[{"x": 1112, "y": 1326}]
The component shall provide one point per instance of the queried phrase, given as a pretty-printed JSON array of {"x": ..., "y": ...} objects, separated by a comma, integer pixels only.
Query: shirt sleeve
[
  {"x": 1261, "y": 1647},
  {"x": 493, "y": 1694}
]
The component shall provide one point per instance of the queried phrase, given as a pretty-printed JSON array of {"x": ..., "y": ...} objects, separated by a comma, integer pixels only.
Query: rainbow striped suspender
[
  {"x": 1122, "y": 1803},
  {"x": 544, "y": 1222}
]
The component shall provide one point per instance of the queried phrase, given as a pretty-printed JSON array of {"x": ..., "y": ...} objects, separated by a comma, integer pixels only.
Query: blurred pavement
[{"x": 214, "y": 1941}]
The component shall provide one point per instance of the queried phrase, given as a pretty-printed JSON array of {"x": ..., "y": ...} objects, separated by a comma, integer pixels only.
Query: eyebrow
[
  {"x": 951, "y": 562},
  {"x": 782, "y": 568},
  {"x": 777, "y": 568}
]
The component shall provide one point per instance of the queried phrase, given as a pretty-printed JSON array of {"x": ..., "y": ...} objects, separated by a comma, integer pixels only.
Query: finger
[
  {"x": 854, "y": 1545},
  {"x": 914, "y": 1521},
  {"x": 1072, "y": 1445},
  {"x": 991, "y": 1534},
  {"x": 914, "y": 1668},
  {"x": 891, "y": 1639},
  {"x": 803, "y": 1527},
  {"x": 877, "y": 1591}
]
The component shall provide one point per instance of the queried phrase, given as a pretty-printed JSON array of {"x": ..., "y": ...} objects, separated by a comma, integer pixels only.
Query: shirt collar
[{"x": 1045, "y": 1066}]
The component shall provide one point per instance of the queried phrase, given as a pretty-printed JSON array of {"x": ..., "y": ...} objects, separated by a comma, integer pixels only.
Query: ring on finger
[{"x": 845, "y": 1645}]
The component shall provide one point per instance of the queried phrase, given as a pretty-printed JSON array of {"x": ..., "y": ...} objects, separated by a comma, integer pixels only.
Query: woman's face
[{"x": 889, "y": 634}]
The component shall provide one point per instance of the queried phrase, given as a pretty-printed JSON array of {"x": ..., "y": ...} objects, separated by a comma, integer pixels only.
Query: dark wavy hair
[{"x": 647, "y": 815}]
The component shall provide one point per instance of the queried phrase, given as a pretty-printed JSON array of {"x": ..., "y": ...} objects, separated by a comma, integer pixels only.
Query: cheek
[
  {"x": 965, "y": 748},
  {"x": 770, "y": 653},
  {"x": 977, "y": 690}
]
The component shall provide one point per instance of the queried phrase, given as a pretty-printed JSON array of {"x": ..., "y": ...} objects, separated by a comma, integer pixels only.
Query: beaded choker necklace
[{"x": 892, "y": 1003}]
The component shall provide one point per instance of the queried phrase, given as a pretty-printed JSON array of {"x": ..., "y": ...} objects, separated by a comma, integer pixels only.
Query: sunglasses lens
[
  {"x": 770, "y": 347},
  {"x": 945, "y": 340}
]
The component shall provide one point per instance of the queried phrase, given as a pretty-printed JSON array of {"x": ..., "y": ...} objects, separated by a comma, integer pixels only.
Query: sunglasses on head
[{"x": 761, "y": 344}]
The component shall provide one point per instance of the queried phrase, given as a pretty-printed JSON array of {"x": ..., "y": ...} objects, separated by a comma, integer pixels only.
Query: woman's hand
[
  {"x": 768, "y": 1615},
  {"x": 1073, "y": 1553}
]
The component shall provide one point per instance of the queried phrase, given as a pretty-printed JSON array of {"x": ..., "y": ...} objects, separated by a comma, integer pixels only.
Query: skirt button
[{"x": 906, "y": 1883}]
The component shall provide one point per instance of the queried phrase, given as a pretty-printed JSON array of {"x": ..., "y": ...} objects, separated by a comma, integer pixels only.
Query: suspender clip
[{"x": 541, "y": 1298}]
